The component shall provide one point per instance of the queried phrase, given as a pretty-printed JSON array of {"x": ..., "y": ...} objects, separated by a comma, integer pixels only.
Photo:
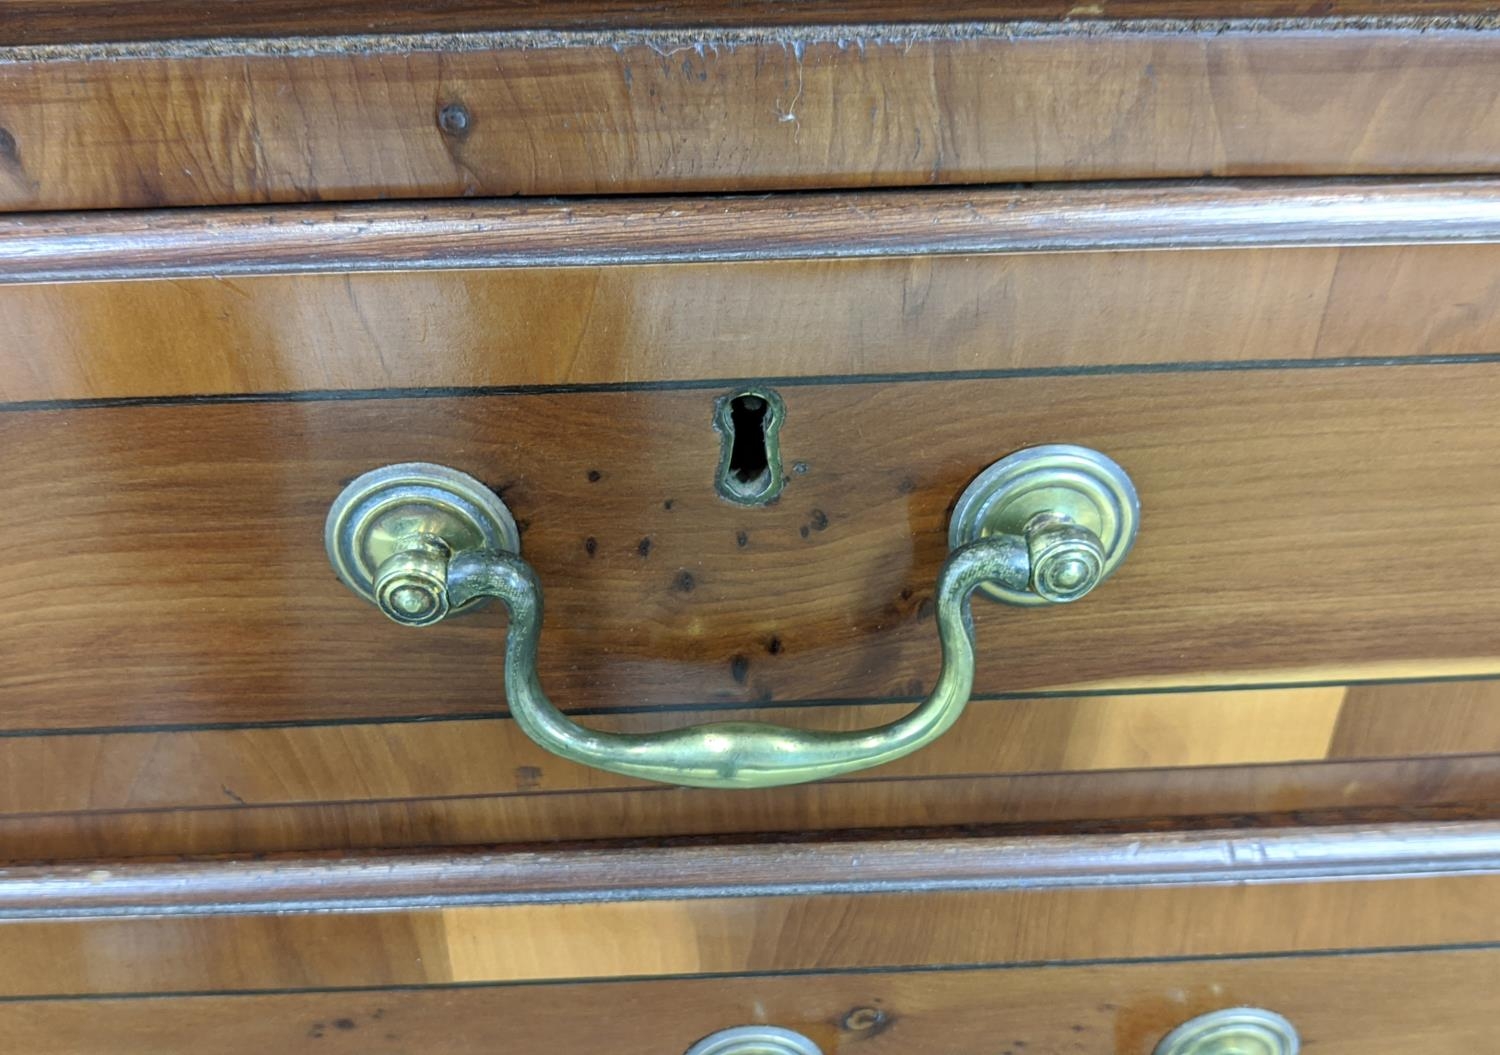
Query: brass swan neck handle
[
  {"x": 423, "y": 542},
  {"x": 734, "y": 754}
]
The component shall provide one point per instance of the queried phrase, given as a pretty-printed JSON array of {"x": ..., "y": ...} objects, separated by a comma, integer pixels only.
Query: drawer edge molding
[
  {"x": 432, "y": 880},
  {"x": 72, "y": 29},
  {"x": 276, "y": 240}
]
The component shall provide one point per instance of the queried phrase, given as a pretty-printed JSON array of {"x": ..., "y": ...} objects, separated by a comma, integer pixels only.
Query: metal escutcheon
[
  {"x": 1076, "y": 509},
  {"x": 1232, "y": 1031},
  {"x": 755, "y": 1040},
  {"x": 390, "y": 534}
]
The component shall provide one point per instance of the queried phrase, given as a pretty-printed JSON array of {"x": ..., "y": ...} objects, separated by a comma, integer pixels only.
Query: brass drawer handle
[
  {"x": 424, "y": 542},
  {"x": 755, "y": 1040},
  {"x": 1233, "y": 1031}
]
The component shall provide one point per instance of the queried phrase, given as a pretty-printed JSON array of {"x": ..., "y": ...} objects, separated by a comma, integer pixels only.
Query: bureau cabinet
[{"x": 705, "y": 326}]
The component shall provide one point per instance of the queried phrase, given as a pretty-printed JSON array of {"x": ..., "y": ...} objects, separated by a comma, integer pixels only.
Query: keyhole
[
  {"x": 748, "y": 463},
  {"x": 750, "y": 468}
]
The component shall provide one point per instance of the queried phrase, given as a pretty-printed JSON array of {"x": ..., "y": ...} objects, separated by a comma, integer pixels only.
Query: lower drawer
[
  {"x": 1369, "y": 940},
  {"x": 1432, "y": 1002}
]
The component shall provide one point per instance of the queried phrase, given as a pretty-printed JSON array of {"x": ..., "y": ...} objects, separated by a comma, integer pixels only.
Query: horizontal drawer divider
[
  {"x": 433, "y": 880},
  {"x": 176, "y": 243}
]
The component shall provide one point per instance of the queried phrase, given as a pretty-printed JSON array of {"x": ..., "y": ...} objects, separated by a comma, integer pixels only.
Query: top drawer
[
  {"x": 1311, "y": 428},
  {"x": 1310, "y": 419},
  {"x": 539, "y": 112}
]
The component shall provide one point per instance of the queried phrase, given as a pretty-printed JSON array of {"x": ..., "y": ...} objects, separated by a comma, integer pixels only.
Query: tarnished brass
[
  {"x": 390, "y": 534},
  {"x": 1076, "y": 509},
  {"x": 749, "y": 425},
  {"x": 1232, "y": 1031},
  {"x": 424, "y": 542},
  {"x": 755, "y": 1040}
]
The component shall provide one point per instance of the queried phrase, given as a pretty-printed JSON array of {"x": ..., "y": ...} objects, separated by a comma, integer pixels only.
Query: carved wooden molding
[
  {"x": 612, "y": 231},
  {"x": 575, "y": 874}
]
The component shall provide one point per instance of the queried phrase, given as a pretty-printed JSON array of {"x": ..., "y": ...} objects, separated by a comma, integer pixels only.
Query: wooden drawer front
[
  {"x": 1342, "y": 1003},
  {"x": 1311, "y": 426},
  {"x": 1094, "y": 944},
  {"x": 758, "y": 108},
  {"x": 183, "y": 600},
  {"x": 1306, "y": 525}
]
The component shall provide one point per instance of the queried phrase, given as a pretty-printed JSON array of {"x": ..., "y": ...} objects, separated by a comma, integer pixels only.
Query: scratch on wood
[{"x": 789, "y": 112}]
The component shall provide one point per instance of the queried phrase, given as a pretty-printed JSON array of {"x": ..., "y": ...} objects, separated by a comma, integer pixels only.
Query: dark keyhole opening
[
  {"x": 748, "y": 464},
  {"x": 750, "y": 469}
]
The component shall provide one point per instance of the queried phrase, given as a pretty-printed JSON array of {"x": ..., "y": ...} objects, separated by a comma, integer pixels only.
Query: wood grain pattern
[
  {"x": 149, "y": 538},
  {"x": 135, "y": 777},
  {"x": 180, "y": 677},
  {"x": 315, "y": 119},
  {"x": 175, "y": 243},
  {"x": 482, "y": 943},
  {"x": 1332, "y": 793},
  {"x": 582, "y": 874},
  {"x": 694, "y": 323},
  {"x": 1341, "y": 1005},
  {"x": 343, "y": 763},
  {"x": 1458, "y": 716}
]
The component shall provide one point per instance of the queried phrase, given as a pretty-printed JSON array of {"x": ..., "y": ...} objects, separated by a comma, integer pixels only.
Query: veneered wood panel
[
  {"x": 350, "y": 763},
  {"x": 844, "y": 106},
  {"x": 685, "y": 322},
  {"x": 735, "y": 934},
  {"x": 580, "y": 326},
  {"x": 1463, "y": 717},
  {"x": 1344, "y": 792},
  {"x": 1341, "y": 1005},
  {"x": 172, "y": 558}
]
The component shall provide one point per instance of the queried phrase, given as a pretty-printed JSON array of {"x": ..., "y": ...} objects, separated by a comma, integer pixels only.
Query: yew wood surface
[
  {"x": 694, "y": 323},
  {"x": 179, "y": 791},
  {"x": 172, "y": 565},
  {"x": 263, "y": 766},
  {"x": 170, "y": 629},
  {"x": 713, "y": 109},
  {"x": 1371, "y": 791},
  {"x": 1341, "y": 1004},
  {"x": 749, "y": 933},
  {"x": 1108, "y": 941}
]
